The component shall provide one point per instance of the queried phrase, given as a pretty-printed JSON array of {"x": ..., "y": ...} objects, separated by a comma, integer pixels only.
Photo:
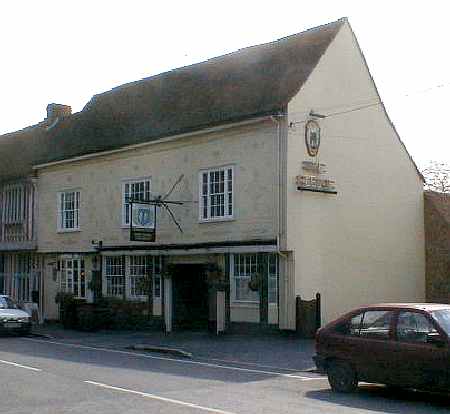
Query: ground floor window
[
  {"x": 115, "y": 275},
  {"x": 20, "y": 276},
  {"x": 125, "y": 276},
  {"x": 21, "y": 287},
  {"x": 272, "y": 271},
  {"x": 2, "y": 274},
  {"x": 243, "y": 266},
  {"x": 140, "y": 268},
  {"x": 73, "y": 277}
]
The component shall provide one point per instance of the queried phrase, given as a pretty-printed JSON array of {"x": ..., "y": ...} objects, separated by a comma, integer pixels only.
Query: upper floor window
[
  {"x": 69, "y": 210},
  {"x": 216, "y": 193},
  {"x": 13, "y": 204},
  {"x": 134, "y": 190}
]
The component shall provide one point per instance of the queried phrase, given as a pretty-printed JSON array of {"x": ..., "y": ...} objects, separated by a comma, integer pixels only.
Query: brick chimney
[{"x": 57, "y": 111}]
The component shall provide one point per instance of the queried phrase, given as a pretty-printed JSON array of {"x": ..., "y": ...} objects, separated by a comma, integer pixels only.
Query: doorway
[{"x": 190, "y": 296}]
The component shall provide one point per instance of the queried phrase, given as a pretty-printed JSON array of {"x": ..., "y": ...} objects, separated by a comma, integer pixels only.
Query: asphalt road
[{"x": 53, "y": 376}]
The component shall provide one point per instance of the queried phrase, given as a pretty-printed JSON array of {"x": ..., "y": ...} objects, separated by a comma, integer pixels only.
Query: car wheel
[{"x": 341, "y": 376}]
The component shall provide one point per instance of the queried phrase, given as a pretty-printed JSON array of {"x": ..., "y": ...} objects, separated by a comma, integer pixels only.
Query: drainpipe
[{"x": 275, "y": 119}]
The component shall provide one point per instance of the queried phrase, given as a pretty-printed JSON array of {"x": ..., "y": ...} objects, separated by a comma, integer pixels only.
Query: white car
[{"x": 12, "y": 319}]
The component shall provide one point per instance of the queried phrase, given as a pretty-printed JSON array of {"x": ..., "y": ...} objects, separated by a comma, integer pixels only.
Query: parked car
[
  {"x": 13, "y": 319},
  {"x": 400, "y": 345}
]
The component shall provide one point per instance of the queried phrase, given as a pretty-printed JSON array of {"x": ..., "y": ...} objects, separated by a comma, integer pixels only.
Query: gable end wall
[{"x": 365, "y": 244}]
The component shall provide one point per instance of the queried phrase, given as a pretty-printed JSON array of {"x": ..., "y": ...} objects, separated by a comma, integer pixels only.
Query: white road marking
[
  {"x": 253, "y": 364},
  {"x": 20, "y": 365},
  {"x": 181, "y": 361},
  {"x": 159, "y": 398}
]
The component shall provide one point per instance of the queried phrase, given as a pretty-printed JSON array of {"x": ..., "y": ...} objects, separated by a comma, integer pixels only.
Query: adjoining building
[
  {"x": 293, "y": 182},
  {"x": 437, "y": 242},
  {"x": 20, "y": 265}
]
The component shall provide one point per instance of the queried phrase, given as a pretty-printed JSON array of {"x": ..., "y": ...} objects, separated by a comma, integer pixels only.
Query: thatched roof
[{"x": 251, "y": 82}]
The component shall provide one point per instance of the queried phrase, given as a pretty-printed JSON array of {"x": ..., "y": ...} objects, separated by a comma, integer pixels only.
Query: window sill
[
  {"x": 244, "y": 304},
  {"x": 216, "y": 220},
  {"x": 68, "y": 230}
]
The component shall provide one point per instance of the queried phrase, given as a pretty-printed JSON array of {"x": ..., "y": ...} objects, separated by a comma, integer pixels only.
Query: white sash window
[
  {"x": 134, "y": 190},
  {"x": 242, "y": 267},
  {"x": 216, "y": 194},
  {"x": 69, "y": 210},
  {"x": 115, "y": 275},
  {"x": 140, "y": 267},
  {"x": 73, "y": 277},
  {"x": 124, "y": 276}
]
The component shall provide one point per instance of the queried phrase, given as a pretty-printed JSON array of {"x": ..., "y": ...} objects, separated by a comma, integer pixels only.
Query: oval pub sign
[{"x": 312, "y": 137}]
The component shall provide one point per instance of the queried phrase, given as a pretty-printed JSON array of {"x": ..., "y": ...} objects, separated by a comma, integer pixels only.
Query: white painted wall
[{"x": 365, "y": 244}]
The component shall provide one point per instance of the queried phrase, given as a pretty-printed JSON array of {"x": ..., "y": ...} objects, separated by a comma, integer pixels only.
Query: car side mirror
[{"x": 435, "y": 338}]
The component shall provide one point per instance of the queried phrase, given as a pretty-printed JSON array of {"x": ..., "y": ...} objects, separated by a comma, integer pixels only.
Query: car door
[
  {"x": 367, "y": 344},
  {"x": 419, "y": 363},
  {"x": 376, "y": 345}
]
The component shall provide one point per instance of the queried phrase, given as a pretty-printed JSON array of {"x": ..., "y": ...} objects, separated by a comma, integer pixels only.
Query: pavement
[{"x": 264, "y": 350}]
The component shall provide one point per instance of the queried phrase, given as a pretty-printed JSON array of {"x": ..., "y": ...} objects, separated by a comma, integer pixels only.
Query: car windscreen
[
  {"x": 443, "y": 318},
  {"x": 7, "y": 303}
]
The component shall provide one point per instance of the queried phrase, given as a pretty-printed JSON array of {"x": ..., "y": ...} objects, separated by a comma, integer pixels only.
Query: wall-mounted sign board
[{"x": 315, "y": 184}]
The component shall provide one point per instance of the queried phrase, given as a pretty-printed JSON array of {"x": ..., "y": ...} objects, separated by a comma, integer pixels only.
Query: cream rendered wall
[
  {"x": 365, "y": 244},
  {"x": 250, "y": 149}
]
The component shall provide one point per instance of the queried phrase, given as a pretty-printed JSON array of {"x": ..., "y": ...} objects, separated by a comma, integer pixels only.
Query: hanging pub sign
[
  {"x": 142, "y": 222},
  {"x": 312, "y": 137}
]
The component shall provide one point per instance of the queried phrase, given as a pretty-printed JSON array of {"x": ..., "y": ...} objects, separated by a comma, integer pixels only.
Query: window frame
[
  {"x": 267, "y": 273},
  {"x": 63, "y": 279},
  {"x": 61, "y": 228},
  {"x": 156, "y": 275},
  {"x": 228, "y": 196},
  {"x": 131, "y": 181},
  {"x": 127, "y": 276},
  {"x": 106, "y": 276},
  {"x": 13, "y": 204},
  {"x": 276, "y": 277}
]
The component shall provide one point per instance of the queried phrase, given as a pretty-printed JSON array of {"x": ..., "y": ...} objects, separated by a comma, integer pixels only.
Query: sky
[{"x": 67, "y": 51}]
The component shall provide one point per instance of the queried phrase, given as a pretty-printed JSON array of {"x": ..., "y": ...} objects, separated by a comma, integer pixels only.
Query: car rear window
[
  {"x": 413, "y": 327},
  {"x": 443, "y": 318}
]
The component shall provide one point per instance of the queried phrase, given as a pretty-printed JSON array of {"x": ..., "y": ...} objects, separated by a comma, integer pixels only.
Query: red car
[{"x": 400, "y": 345}]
